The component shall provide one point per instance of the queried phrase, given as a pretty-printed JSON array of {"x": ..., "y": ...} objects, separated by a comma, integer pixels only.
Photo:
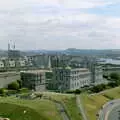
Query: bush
[
  {"x": 20, "y": 83},
  {"x": 98, "y": 88},
  {"x": 112, "y": 84},
  {"x": 70, "y": 92},
  {"x": 2, "y": 90},
  {"x": 77, "y": 91},
  {"x": 114, "y": 76},
  {"x": 14, "y": 86},
  {"x": 23, "y": 90}
]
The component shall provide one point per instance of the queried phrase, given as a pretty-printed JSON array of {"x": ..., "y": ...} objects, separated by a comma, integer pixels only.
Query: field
[
  {"x": 93, "y": 103},
  {"x": 14, "y": 108}
]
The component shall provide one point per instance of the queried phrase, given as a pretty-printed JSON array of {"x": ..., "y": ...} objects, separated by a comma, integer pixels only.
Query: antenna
[
  {"x": 9, "y": 47},
  {"x": 14, "y": 46}
]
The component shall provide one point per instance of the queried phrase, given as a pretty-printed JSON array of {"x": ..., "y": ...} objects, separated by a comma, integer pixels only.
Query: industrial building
[{"x": 34, "y": 79}]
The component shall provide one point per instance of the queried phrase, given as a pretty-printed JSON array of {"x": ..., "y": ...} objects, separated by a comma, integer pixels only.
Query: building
[
  {"x": 40, "y": 61},
  {"x": 70, "y": 79},
  {"x": 2, "y": 64},
  {"x": 34, "y": 79},
  {"x": 13, "y": 54}
]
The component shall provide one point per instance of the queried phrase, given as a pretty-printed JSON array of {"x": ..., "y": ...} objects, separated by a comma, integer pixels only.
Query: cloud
[{"x": 56, "y": 24}]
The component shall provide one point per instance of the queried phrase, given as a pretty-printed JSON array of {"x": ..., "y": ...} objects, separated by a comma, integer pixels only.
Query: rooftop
[{"x": 36, "y": 71}]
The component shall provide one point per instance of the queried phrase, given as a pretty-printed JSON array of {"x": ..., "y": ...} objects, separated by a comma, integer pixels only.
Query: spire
[{"x": 49, "y": 63}]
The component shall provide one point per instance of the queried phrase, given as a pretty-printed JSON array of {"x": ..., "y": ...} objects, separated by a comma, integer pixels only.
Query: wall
[{"x": 8, "y": 77}]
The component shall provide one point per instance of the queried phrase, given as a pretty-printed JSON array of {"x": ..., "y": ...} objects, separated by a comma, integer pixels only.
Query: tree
[
  {"x": 114, "y": 76},
  {"x": 77, "y": 91},
  {"x": 14, "y": 86},
  {"x": 98, "y": 88},
  {"x": 20, "y": 83},
  {"x": 112, "y": 84},
  {"x": 2, "y": 90}
]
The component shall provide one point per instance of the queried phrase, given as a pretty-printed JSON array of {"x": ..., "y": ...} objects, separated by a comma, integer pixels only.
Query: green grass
[
  {"x": 69, "y": 102},
  {"x": 72, "y": 108},
  {"x": 92, "y": 104},
  {"x": 37, "y": 109},
  {"x": 14, "y": 112}
]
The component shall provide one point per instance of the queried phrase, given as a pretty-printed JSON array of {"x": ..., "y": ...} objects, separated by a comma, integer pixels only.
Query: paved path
[
  {"x": 62, "y": 111},
  {"x": 110, "y": 111},
  {"x": 60, "y": 108},
  {"x": 80, "y": 107}
]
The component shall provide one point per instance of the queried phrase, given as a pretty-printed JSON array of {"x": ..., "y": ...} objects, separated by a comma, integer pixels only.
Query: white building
[
  {"x": 71, "y": 79},
  {"x": 22, "y": 63},
  {"x": 2, "y": 64},
  {"x": 12, "y": 63}
]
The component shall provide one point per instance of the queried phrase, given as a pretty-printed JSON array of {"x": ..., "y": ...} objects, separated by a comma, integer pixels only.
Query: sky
[{"x": 60, "y": 24}]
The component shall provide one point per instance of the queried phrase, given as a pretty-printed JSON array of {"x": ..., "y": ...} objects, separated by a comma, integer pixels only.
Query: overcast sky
[{"x": 60, "y": 24}]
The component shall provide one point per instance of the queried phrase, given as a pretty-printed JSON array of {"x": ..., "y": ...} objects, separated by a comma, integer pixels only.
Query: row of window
[{"x": 80, "y": 84}]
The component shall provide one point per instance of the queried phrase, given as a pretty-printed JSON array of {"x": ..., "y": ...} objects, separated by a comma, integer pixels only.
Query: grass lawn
[
  {"x": 72, "y": 109},
  {"x": 69, "y": 102},
  {"x": 36, "y": 109},
  {"x": 92, "y": 104}
]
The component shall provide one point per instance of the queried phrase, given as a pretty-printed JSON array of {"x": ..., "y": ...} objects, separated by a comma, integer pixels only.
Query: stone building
[
  {"x": 70, "y": 79},
  {"x": 34, "y": 79},
  {"x": 40, "y": 61}
]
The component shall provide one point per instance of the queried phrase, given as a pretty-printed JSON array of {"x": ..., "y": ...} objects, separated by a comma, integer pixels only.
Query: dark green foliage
[
  {"x": 14, "y": 86},
  {"x": 77, "y": 91},
  {"x": 24, "y": 90},
  {"x": 2, "y": 90},
  {"x": 20, "y": 83},
  {"x": 98, "y": 88},
  {"x": 112, "y": 84},
  {"x": 105, "y": 76},
  {"x": 115, "y": 76},
  {"x": 49, "y": 75}
]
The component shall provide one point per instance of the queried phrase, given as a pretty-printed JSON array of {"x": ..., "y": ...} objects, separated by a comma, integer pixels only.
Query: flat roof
[
  {"x": 35, "y": 71},
  {"x": 2, "y": 73}
]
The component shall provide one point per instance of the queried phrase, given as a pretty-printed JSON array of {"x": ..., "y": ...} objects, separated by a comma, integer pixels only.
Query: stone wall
[{"x": 8, "y": 77}]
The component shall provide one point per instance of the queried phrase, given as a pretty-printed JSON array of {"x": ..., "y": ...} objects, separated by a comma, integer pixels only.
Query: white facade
[
  {"x": 22, "y": 63},
  {"x": 71, "y": 79},
  {"x": 11, "y": 63},
  {"x": 79, "y": 78},
  {"x": 2, "y": 64}
]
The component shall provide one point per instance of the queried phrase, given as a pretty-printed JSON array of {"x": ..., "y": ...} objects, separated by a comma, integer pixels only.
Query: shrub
[
  {"x": 2, "y": 90},
  {"x": 13, "y": 86},
  {"x": 23, "y": 90},
  {"x": 20, "y": 83},
  {"x": 77, "y": 91},
  {"x": 114, "y": 76}
]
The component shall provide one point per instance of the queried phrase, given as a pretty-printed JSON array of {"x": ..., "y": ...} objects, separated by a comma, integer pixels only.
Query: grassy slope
[
  {"x": 92, "y": 104},
  {"x": 45, "y": 109},
  {"x": 69, "y": 102},
  {"x": 72, "y": 109}
]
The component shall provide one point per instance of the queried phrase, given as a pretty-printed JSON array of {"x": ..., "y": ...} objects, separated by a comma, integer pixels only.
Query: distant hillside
[{"x": 70, "y": 51}]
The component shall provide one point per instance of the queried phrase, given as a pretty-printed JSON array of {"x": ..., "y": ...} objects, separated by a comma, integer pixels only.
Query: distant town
[{"x": 57, "y": 71}]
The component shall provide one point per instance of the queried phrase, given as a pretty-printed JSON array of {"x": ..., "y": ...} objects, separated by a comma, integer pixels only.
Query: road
[
  {"x": 80, "y": 107},
  {"x": 110, "y": 111}
]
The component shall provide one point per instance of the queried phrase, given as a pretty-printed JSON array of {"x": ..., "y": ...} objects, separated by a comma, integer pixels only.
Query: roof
[{"x": 36, "y": 71}]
